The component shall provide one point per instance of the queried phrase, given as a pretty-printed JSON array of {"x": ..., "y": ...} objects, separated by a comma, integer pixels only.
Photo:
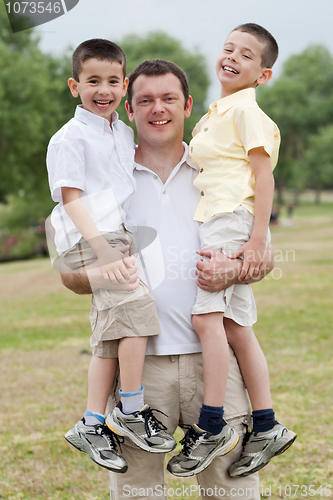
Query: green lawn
[{"x": 44, "y": 333}]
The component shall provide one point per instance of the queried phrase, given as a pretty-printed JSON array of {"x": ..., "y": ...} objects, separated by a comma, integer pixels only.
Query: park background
[{"x": 44, "y": 329}]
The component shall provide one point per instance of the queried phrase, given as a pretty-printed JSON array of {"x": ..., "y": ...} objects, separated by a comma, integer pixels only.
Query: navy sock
[
  {"x": 211, "y": 419},
  {"x": 263, "y": 420}
]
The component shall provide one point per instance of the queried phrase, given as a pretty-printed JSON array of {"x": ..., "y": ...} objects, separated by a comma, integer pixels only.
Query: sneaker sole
[
  {"x": 262, "y": 465},
  {"x": 218, "y": 452},
  {"x": 82, "y": 446},
  {"x": 111, "y": 424}
]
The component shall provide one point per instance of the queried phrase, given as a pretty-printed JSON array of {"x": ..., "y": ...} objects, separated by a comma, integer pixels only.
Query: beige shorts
[
  {"x": 174, "y": 385},
  {"x": 115, "y": 314},
  {"x": 227, "y": 232}
]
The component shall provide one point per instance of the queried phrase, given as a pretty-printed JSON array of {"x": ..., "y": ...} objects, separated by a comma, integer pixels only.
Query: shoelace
[
  {"x": 189, "y": 439},
  {"x": 112, "y": 438},
  {"x": 247, "y": 434},
  {"x": 151, "y": 422}
]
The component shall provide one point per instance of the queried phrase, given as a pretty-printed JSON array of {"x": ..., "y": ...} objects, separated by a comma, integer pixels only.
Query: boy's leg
[
  {"x": 90, "y": 435},
  {"x": 212, "y": 436},
  {"x": 101, "y": 374},
  {"x": 215, "y": 355},
  {"x": 132, "y": 418},
  {"x": 252, "y": 363},
  {"x": 268, "y": 437}
]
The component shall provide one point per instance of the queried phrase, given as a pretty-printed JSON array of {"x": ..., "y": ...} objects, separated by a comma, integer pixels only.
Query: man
[{"x": 158, "y": 102}]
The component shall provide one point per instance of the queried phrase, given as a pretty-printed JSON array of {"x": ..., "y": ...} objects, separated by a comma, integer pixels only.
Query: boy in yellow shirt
[{"x": 236, "y": 147}]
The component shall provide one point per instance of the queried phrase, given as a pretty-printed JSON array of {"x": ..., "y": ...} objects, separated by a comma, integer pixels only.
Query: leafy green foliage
[{"x": 301, "y": 103}]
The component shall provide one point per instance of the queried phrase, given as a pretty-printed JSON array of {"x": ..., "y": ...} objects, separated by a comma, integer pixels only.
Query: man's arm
[
  {"x": 221, "y": 272},
  {"x": 86, "y": 280}
]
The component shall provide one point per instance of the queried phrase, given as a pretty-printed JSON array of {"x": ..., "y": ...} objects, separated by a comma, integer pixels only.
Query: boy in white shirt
[
  {"x": 90, "y": 163},
  {"x": 236, "y": 147}
]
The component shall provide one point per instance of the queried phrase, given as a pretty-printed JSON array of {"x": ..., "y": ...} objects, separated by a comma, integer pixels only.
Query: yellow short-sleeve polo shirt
[{"x": 221, "y": 141}]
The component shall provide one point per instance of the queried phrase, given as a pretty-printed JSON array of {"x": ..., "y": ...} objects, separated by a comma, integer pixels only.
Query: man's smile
[{"x": 160, "y": 122}]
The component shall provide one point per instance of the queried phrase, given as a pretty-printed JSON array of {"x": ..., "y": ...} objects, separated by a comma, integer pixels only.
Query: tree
[
  {"x": 300, "y": 102},
  {"x": 319, "y": 160},
  {"x": 162, "y": 46},
  {"x": 32, "y": 108}
]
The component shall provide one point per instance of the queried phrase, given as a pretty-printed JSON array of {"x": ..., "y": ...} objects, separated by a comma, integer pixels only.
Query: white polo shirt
[
  {"x": 170, "y": 262},
  {"x": 88, "y": 155}
]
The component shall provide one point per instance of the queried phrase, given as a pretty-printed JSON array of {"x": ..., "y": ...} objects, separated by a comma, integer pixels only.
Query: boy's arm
[
  {"x": 253, "y": 251},
  {"x": 109, "y": 258}
]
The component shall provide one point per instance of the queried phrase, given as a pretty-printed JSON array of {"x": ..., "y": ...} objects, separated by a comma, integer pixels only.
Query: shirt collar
[
  {"x": 222, "y": 105},
  {"x": 184, "y": 159},
  {"x": 98, "y": 122}
]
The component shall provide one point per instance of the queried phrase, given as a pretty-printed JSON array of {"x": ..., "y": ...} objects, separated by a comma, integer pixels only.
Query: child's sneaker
[
  {"x": 200, "y": 448},
  {"x": 260, "y": 447},
  {"x": 99, "y": 443},
  {"x": 143, "y": 428}
]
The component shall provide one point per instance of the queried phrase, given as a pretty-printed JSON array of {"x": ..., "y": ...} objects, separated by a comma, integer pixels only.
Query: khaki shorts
[
  {"x": 227, "y": 232},
  {"x": 115, "y": 314},
  {"x": 174, "y": 385}
]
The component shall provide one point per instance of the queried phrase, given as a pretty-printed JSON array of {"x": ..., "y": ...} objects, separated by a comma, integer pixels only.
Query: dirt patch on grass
[{"x": 33, "y": 277}]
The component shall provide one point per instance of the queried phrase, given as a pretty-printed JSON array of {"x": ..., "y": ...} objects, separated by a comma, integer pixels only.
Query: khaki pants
[{"x": 174, "y": 385}]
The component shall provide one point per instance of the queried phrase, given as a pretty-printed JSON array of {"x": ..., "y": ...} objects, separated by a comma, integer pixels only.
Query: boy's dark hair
[
  {"x": 271, "y": 50},
  {"x": 97, "y": 48},
  {"x": 157, "y": 67}
]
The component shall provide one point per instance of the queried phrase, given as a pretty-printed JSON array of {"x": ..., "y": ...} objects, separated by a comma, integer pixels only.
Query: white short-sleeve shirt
[{"x": 87, "y": 154}]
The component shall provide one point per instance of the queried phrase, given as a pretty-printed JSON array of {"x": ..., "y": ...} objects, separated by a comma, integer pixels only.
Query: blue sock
[
  {"x": 263, "y": 420},
  {"x": 132, "y": 401},
  {"x": 211, "y": 419},
  {"x": 92, "y": 418}
]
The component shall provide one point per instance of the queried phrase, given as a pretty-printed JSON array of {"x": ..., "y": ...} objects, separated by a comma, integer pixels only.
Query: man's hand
[
  {"x": 221, "y": 271},
  {"x": 217, "y": 274},
  {"x": 253, "y": 252}
]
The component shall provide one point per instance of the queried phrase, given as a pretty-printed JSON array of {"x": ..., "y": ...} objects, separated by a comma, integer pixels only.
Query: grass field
[{"x": 44, "y": 355}]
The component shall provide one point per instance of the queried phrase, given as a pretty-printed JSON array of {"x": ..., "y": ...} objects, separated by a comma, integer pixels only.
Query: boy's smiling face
[
  {"x": 238, "y": 66},
  {"x": 101, "y": 86}
]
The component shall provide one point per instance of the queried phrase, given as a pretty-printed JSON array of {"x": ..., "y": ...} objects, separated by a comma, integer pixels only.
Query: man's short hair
[
  {"x": 271, "y": 50},
  {"x": 157, "y": 67},
  {"x": 97, "y": 48}
]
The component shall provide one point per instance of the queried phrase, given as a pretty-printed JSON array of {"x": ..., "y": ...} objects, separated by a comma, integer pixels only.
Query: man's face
[
  {"x": 158, "y": 109},
  {"x": 101, "y": 86},
  {"x": 238, "y": 66}
]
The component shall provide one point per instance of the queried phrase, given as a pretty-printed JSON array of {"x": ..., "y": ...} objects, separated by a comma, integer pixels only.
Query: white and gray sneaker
[
  {"x": 200, "y": 448},
  {"x": 143, "y": 428},
  {"x": 260, "y": 447},
  {"x": 99, "y": 443}
]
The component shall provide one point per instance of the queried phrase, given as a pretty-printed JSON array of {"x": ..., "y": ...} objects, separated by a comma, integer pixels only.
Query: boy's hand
[
  {"x": 253, "y": 252},
  {"x": 112, "y": 266}
]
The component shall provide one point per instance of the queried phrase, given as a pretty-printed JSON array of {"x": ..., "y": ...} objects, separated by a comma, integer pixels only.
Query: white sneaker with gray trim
[
  {"x": 260, "y": 447},
  {"x": 143, "y": 428},
  {"x": 99, "y": 443},
  {"x": 200, "y": 448}
]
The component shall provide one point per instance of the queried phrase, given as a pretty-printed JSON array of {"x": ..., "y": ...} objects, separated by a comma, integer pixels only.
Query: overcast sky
[{"x": 202, "y": 24}]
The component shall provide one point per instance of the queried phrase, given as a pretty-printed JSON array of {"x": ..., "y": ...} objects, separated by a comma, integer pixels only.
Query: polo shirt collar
[
  {"x": 98, "y": 122},
  {"x": 225, "y": 103},
  {"x": 185, "y": 156}
]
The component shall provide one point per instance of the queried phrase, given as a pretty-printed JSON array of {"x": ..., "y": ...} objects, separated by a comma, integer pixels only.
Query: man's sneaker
[
  {"x": 200, "y": 448},
  {"x": 260, "y": 447},
  {"x": 100, "y": 444},
  {"x": 143, "y": 428}
]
